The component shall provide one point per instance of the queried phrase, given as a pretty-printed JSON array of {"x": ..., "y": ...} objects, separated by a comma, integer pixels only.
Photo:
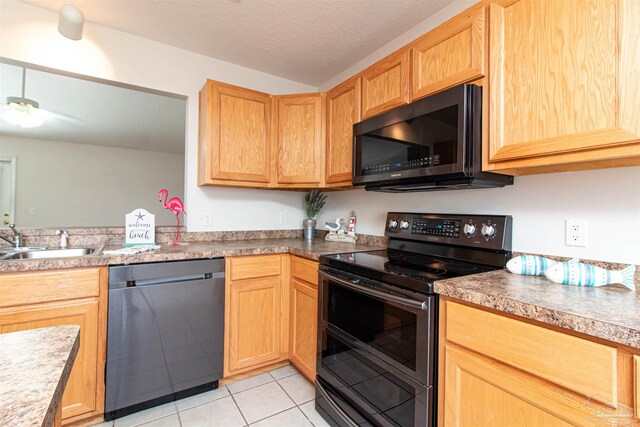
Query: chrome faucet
[
  {"x": 17, "y": 238},
  {"x": 63, "y": 237}
]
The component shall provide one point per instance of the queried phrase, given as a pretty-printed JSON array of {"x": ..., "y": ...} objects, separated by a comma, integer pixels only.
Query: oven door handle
[
  {"x": 346, "y": 418},
  {"x": 422, "y": 305}
]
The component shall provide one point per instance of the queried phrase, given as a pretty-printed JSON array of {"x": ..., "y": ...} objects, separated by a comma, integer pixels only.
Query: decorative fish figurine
[
  {"x": 581, "y": 274},
  {"x": 531, "y": 265}
]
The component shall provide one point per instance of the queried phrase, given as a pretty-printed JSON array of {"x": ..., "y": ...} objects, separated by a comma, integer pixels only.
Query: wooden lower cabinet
[
  {"x": 636, "y": 386},
  {"x": 270, "y": 313},
  {"x": 480, "y": 392},
  {"x": 499, "y": 371},
  {"x": 304, "y": 326},
  {"x": 84, "y": 394},
  {"x": 304, "y": 316},
  {"x": 256, "y": 312}
]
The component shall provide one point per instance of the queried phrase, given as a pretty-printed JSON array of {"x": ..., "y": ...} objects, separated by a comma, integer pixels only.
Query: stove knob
[
  {"x": 404, "y": 224},
  {"x": 469, "y": 229},
  {"x": 487, "y": 230},
  {"x": 393, "y": 223}
]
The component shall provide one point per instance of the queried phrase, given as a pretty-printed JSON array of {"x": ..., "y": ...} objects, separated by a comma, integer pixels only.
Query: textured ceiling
[
  {"x": 309, "y": 41},
  {"x": 87, "y": 112}
]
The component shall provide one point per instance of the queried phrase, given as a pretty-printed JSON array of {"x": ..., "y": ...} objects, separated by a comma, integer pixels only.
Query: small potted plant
[{"x": 314, "y": 201}]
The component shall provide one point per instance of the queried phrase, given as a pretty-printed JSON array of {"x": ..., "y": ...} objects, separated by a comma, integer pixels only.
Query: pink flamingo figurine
[{"x": 174, "y": 205}]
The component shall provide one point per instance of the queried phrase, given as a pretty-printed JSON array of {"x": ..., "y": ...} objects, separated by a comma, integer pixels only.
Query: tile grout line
[
  {"x": 286, "y": 376},
  {"x": 251, "y": 388},
  {"x": 203, "y": 403},
  {"x": 246, "y": 423},
  {"x": 295, "y": 405},
  {"x": 179, "y": 417},
  {"x": 232, "y": 395}
]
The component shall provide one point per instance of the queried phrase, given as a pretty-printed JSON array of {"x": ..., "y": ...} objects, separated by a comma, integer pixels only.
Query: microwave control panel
[{"x": 482, "y": 231}]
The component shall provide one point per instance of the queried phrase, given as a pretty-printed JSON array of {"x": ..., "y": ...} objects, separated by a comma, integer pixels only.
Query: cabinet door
[
  {"x": 301, "y": 138},
  {"x": 343, "y": 110},
  {"x": 563, "y": 85},
  {"x": 479, "y": 392},
  {"x": 452, "y": 54},
  {"x": 80, "y": 395},
  {"x": 252, "y": 323},
  {"x": 385, "y": 84},
  {"x": 235, "y": 136},
  {"x": 304, "y": 320}
]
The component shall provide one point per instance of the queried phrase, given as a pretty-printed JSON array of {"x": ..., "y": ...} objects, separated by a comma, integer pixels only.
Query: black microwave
[{"x": 431, "y": 144}]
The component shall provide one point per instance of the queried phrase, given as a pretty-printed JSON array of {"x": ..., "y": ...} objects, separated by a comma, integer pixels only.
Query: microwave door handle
[{"x": 375, "y": 293}]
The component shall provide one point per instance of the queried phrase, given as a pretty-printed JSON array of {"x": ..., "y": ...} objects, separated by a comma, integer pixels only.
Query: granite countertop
[
  {"x": 195, "y": 250},
  {"x": 34, "y": 368},
  {"x": 609, "y": 312}
]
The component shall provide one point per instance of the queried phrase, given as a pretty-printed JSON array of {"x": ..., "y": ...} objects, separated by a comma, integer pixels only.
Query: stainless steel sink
[
  {"x": 51, "y": 253},
  {"x": 21, "y": 249}
]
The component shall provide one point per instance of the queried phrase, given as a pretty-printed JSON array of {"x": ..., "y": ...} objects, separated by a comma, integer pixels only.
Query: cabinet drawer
[
  {"x": 304, "y": 269},
  {"x": 577, "y": 364},
  {"x": 55, "y": 285},
  {"x": 247, "y": 267}
]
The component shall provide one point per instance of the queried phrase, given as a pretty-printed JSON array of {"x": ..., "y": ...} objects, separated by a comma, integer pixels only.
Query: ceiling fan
[{"x": 26, "y": 113}]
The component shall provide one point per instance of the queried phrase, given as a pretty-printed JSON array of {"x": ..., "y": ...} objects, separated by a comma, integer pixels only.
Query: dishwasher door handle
[{"x": 175, "y": 279}]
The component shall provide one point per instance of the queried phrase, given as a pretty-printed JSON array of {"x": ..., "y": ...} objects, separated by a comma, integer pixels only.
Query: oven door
[{"x": 376, "y": 353}]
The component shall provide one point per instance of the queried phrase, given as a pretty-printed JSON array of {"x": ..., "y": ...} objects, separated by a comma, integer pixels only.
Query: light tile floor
[{"x": 279, "y": 398}]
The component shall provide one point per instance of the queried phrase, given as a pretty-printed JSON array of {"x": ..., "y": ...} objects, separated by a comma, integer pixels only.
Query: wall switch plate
[
  {"x": 576, "y": 232},
  {"x": 33, "y": 211},
  {"x": 206, "y": 218},
  {"x": 283, "y": 218}
]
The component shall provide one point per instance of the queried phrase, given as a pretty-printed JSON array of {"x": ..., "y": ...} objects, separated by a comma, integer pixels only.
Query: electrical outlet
[
  {"x": 283, "y": 218},
  {"x": 576, "y": 232},
  {"x": 206, "y": 218}
]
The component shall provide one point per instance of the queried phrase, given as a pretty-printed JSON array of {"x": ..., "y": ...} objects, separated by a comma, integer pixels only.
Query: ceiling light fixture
[
  {"x": 23, "y": 112},
  {"x": 70, "y": 21}
]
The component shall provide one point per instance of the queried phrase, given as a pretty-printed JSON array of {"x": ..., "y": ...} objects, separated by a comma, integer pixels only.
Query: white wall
[
  {"x": 608, "y": 199},
  {"x": 89, "y": 185},
  {"x": 29, "y": 34}
]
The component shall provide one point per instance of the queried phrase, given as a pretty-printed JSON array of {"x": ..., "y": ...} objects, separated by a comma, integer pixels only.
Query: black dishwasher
[{"x": 165, "y": 333}]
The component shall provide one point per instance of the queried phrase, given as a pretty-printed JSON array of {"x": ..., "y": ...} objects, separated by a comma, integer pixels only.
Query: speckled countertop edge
[
  {"x": 34, "y": 369},
  {"x": 611, "y": 312},
  {"x": 195, "y": 250}
]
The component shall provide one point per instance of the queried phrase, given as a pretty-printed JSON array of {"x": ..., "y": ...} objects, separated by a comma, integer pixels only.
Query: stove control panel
[{"x": 481, "y": 231}]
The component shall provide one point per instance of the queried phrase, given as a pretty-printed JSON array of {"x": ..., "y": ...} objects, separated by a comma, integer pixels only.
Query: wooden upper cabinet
[
  {"x": 235, "y": 136},
  {"x": 563, "y": 85},
  {"x": 343, "y": 110},
  {"x": 386, "y": 84},
  {"x": 301, "y": 140},
  {"x": 451, "y": 54}
]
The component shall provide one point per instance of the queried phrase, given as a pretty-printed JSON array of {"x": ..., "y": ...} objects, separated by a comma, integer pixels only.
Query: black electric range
[{"x": 377, "y": 316}]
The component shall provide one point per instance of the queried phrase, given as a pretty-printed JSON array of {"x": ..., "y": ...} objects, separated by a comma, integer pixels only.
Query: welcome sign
[{"x": 140, "y": 228}]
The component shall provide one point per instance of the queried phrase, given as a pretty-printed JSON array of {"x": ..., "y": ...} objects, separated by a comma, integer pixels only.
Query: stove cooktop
[{"x": 412, "y": 271}]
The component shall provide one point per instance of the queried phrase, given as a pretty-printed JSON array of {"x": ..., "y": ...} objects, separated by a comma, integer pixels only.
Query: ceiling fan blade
[{"x": 52, "y": 115}]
